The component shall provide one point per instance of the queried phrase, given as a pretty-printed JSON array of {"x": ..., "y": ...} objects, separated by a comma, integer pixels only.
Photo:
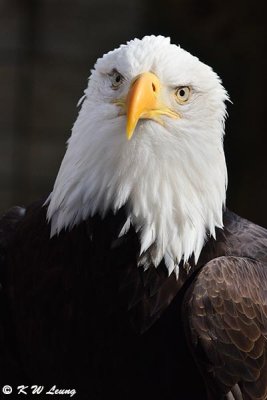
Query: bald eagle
[{"x": 132, "y": 279}]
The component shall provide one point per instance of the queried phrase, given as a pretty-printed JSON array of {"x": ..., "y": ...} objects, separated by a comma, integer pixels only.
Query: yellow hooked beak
[{"x": 143, "y": 102}]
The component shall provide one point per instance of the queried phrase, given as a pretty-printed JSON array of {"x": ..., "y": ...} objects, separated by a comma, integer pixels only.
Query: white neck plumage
[{"x": 173, "y": 187}]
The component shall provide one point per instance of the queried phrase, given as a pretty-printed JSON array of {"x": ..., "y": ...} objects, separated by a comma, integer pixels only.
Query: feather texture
[
  {"x": 172, "y": 177},
  {"x": 227, "y": 314}
]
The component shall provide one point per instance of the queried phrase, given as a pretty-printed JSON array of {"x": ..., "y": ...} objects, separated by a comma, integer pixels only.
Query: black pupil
[
  {"x": 118, "y": 78},
  {"x": 182, "y": 92}
]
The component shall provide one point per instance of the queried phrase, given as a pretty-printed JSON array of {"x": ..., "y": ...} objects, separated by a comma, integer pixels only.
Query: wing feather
[{"x": 226, "y": 310}]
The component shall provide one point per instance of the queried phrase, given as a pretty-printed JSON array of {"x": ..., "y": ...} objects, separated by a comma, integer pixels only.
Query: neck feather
[{"x": 174, "y": 190}]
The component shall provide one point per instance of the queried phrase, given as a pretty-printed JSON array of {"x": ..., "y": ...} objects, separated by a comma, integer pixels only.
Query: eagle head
[{"x": 149, "y": 137}]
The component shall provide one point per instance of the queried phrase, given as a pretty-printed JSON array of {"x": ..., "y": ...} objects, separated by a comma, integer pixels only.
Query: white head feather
[{"x": 173, "y": 178}]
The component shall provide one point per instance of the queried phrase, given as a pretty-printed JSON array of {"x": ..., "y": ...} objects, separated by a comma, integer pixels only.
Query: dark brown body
[{"x": 78, "y": 313}]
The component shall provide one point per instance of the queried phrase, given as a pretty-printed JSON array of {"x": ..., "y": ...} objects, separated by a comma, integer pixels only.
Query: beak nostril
[{"x": 153, "y": 87}]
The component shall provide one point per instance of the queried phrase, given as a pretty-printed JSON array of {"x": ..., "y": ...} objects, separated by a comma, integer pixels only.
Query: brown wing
[
  {"x": 226, "y": 314},
  {"x": 239, "y": 237}
]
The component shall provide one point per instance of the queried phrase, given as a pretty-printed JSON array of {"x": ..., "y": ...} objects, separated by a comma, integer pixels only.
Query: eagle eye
[
  {"x": 182, "y": 94},
  {"x": 116, "y": 79}
]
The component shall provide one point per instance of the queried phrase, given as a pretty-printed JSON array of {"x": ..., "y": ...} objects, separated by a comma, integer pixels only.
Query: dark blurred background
[{"x": 47, "y": 48}]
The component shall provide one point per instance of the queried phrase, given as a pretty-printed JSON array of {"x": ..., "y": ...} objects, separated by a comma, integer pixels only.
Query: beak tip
[
  {"x": 130, "y": 127},
  {"x": 129, "y": 134}
]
